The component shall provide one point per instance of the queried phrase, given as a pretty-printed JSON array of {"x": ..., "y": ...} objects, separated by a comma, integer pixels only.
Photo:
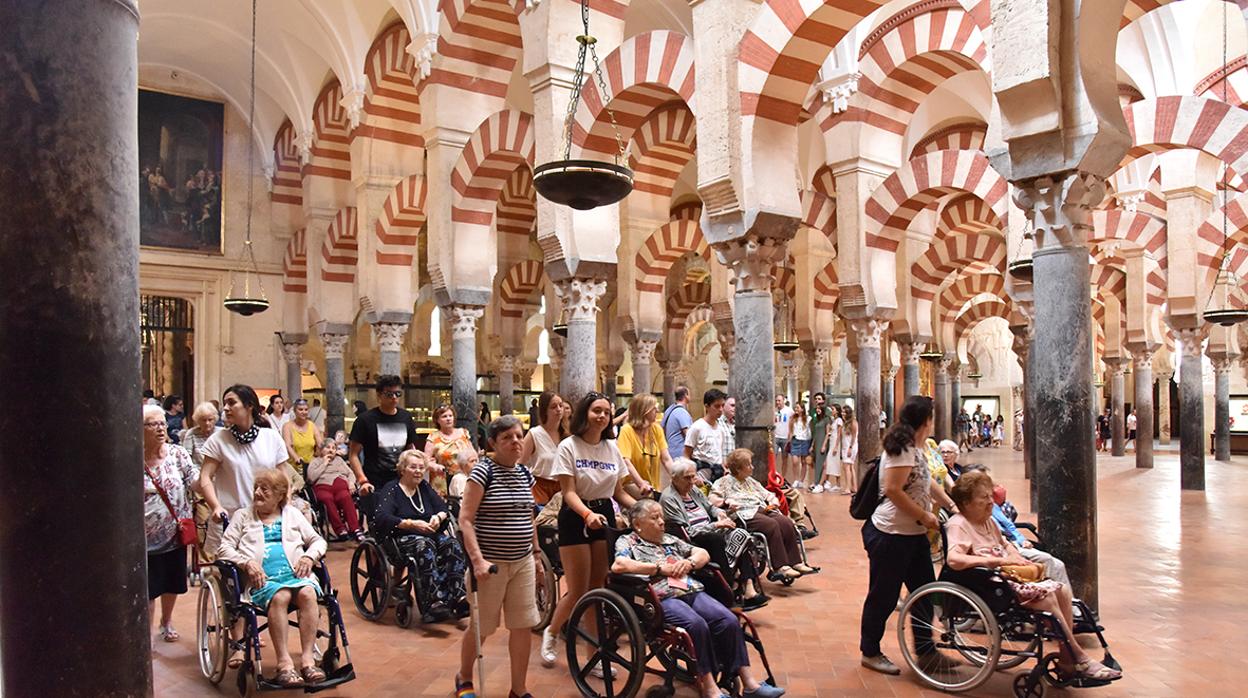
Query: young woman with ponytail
[{"x": 895, "y": 535}]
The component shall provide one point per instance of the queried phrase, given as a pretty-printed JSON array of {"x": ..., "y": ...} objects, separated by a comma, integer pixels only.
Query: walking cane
[{"x": 476, "y": 626}]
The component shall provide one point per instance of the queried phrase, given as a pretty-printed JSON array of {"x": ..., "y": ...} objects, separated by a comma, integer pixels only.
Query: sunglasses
[{"x": 392, "y": 393}]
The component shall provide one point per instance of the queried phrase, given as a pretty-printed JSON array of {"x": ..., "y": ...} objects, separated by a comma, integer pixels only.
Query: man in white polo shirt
[{"x": 704, "y": 443}]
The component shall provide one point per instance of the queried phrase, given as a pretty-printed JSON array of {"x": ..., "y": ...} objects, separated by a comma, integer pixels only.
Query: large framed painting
[{"x": 180, "y": 187}]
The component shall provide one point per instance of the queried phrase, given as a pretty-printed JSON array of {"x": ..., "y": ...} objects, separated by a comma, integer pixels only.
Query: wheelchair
[
  {"x": 979, "y": 627},
  {"x": 763, "y": 556},
  {"x": 548, "y": 589},
  {"x": 383, "y": 575},
  {"x": 221, "y": 604}
]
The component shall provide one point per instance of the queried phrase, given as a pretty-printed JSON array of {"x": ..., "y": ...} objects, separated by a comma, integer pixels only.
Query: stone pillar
[
  {"x": 867, "y": 332},
  {"x": 1061, "y": 358},
  {"x": 333, "y": 344},
  {"x": 955, "y": 398},
  {"x": 609, "y": 372},
  {"x": 942, "y": 396},
  {"x": 643, "y": 356},
  {"x": 788, "y": 366},
  {"x": 727, "y": 347},
  {"x": 1222, "y": 408},
  {"x": 292, "y": 353},
  {"x": 1118, "y": 405},
  {"x": 1191, "y": 411},
  {"x": 69, "y": 325},
  {"x": 815, "y": 361},
  {"x": 1163, "y": 406},
  {"x": 389, "y": 336},
  {"x": 669, "y": 382},
  {"x": 463, "y": 322},
  {"x": 1142, "y": 362},
  {"x": 526, "y": 377},
  {"x": 887, "y": 390},
  {"x": 506, "y": 384},
  {"x": 580, "y": 355},
  {"x": 910, "y": 366}
]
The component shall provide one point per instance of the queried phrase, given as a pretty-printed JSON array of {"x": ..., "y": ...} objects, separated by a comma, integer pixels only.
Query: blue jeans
[{"x": 716, "y": 634}]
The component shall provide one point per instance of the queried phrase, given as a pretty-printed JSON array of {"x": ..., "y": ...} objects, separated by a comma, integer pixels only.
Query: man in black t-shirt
[{"x": 378, "y": 437}]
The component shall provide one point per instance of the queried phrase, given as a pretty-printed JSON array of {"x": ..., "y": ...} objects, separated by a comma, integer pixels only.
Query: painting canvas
[{"x": 180, "y": 151}]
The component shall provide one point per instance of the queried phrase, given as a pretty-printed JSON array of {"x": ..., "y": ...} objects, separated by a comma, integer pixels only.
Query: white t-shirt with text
[{"x": 596, "y": 467}]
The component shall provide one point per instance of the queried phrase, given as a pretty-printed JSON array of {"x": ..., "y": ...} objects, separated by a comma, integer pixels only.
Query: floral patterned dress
[
  {"x": 175, "y": 474},
  {"x": 445, "y": 448}
]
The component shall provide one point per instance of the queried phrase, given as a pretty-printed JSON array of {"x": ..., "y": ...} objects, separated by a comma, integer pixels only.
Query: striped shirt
[{"x": 504, "y": 523}]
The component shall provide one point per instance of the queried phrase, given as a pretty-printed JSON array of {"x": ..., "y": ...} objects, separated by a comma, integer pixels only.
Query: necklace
[{"x": 419, "y": 503}]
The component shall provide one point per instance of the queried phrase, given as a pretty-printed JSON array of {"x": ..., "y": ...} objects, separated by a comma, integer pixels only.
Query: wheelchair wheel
[
  {"x": 212, "y": 630},
  {"x": 613, "y": 642},
  {"x": 370, "y": 580},
  {"x": 958, "y": 661},
  {"x": 547, "y": 594}
]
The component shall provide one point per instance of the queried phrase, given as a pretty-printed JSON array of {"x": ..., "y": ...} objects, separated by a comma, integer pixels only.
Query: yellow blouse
[{"x": 645, "y": 451}]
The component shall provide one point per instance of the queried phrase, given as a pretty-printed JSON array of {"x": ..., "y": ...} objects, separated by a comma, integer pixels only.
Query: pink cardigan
[{"x": 243, "y": 541}]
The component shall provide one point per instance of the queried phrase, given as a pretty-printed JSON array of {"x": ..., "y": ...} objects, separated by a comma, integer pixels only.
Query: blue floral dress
[{"x": 277, "y": 569}]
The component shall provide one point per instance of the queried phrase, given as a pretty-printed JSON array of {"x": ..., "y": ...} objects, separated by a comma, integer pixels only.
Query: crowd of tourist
[{"x": 673, "y": 492}]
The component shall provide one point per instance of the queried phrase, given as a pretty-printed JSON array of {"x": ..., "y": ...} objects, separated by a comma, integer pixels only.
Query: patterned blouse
[
  {"x": 671, "y": 550},
  {"x": 175, "y": 474},
  {"x": 194, "y": 444},
  {"x": 749, "y": 495}
]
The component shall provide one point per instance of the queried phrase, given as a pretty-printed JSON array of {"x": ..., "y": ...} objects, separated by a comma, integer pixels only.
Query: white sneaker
[
  {"x": 816, "y": 489},
  {"x": 549, "y": 639},
  {"x": 596, "y": 672},
  {"x": 799, "y": 485},
  {"x": 834, "y": 488}
]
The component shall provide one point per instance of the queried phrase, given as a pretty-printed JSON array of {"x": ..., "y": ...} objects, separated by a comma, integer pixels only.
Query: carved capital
[
  {"x": 910, "y": 352},
  {"x": 1190, "y": 339},
  {"x": 303, "y": 142},
  {"x": 1142, "y": 357},
  {"x": 1116, "y": 367},
  {"x": 389, "y": 335},
  {"x": 353, "y": 101},
  {"x": 333, "y": 344},
  {"x": 580, "y": 297},
  {"x": 889, "y": 373},
  {"x": 463, "y": 320},
  {"x": 526, "y": 375},
  {"x": 821, "y": 357},
  {"x": 507, "y": 363},
  {"x": 752, "y": 260},
  {"x": 422, "y": 49},
  {"x": 867, "y": 331},
  {"x": 1222, "y": 364},
  {"x": 1165, "y": 375},
  {"x": 643, "y": 350},
  {"x": 1060, "y": 207},
  {"x": 292, "y": 352},
  {"x": 837, "y": 92}
]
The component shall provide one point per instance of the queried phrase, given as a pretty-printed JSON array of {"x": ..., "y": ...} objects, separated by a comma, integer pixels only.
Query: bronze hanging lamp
[
  {"x": 1021, "y": 268},
  {"x": 585, "y": 184},
  {"x": 251, "y": 299},
  {"x": 786, "y": 336},
  {"x": 561, "y": 325}
]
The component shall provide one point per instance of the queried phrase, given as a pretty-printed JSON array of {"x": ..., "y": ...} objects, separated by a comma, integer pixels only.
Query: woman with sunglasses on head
[
  {"x": 444, "y": 444},
  {"x": 591, "y": 472},
  {"x": 540, "y": 443},
  {"x": 642, "y": 441}
]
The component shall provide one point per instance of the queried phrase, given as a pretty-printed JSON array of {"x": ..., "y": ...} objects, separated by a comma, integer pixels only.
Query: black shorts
[
  {"x": 166, "y": 573},
  {"x": 572, "y": 528}
]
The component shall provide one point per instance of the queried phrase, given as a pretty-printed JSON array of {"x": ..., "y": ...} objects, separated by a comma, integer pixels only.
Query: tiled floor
[{"x": 1173, "y": 573}]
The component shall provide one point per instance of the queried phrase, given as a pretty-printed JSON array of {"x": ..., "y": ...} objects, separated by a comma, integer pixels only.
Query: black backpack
[{"x": 862, "y": 505}]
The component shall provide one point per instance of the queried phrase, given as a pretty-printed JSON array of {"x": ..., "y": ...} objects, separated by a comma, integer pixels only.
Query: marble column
[
  {"x": 580, "y": 356},
  {"x": 333, "y": 344},
  {"x": 1142, "y": 362},
  {"x": 1118, "y": 405},
  {"x": 1191, "y": 411},
  {"x": 887, "y": 390},
  {"x": 727, "y": 348},
  {"x": 609, "y": 372},
  {"x": 910, "y": 366},
  {"x": 942, "y": 396},
  {"x": 815, "y": 362},
  {"x": 292, "y": 354},
  {"x": 71, "y": 536},
  {"x": 389, "y": 336},
  {"x": 1222, "y": 408},
  {"x": 1163, "y": 406},
  {"x": 669, "y": 381},
  {"x": 463, "y": 323},
  {"x": 643, "y": 357},
  {"x": 788, "y": 366},
  {"x": 867, "y": 333},
  {"x": 506, "y": 384},
  {"x": 955, "y": 397},
  {"x": 1061, "y": 357}
]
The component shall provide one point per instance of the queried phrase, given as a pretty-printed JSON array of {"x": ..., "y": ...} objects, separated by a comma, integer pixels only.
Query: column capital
[
  {"x": 1190, "y": 339},
  {"x": 821, "y": 355},
  {"x": 752, "y": 259},
  {"x": 867, "y": 331},
  {"x": 1222, "y": 364},
  {"x": 889, "y": 373},
  {"x": 580, "y": 297},
  {"x": 389, "y": 335},
  {"x": 910, "y": 352},
  {"x": 463, "y": 319},
  {"x": 643, "y": 350},
  {"x": 943, "y": 364},
  {"x": 1142, "y": 355},
  {"x": 1060, "y": 207},
  {"x": 333, "y": 344},
  {"x": 507, "y": 363},
  {"x": 292, "y": 352},
  {"x": 1117, "y": 366},
  {"x": 1164, "y": 375}
]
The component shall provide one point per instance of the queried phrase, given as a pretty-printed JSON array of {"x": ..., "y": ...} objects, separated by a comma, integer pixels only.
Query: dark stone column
[
  {"x": 1118, "y": 406},
  {"x": 292, "y": 353},
  {"x": 1191, "y": 411},
  {"x": 867, "y": 333},
  {"x": 643, "y": 354},
  {"x": 73, "y": 588},
  {"x": 463, "y": 322},
  {"x": 1163, "y": 405},
  {"x": 669, "y": 382},
  {"x": 1142, "y": 362},
  {"x": 1222, "y": 408},
  {"x": 942, "y": 396},
  {"x": 333, "y": 344},
  {"x": 609, "y": 372},
  {"x": 1061, "y": 357},
  {"x": 506, "y": 384},
  {"x": 1030, "y": 452},
  {"x": 910, "y": 366},
  {"x": 815, "y": 359},
  {"x": 955, "y": 397},
  {"x": 886, "y": 393}
]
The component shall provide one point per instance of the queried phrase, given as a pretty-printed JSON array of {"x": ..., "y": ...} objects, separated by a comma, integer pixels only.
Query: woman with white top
[
  {"x": 591, "y": 472},
  {"x": 832, "y": 448},
  {"x": 849, "y": 450},
  {"x": 538, "y": 449},
  {"x": 799, "y": 444}
]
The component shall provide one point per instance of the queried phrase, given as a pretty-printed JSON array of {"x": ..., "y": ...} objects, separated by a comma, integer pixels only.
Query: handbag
[
  {"x": 1022, "y": 573},
  {"x": 187, "y": 534}
]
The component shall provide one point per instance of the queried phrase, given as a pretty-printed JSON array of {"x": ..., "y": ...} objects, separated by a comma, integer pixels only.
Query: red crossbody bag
[{"x": 187, "y": 533}]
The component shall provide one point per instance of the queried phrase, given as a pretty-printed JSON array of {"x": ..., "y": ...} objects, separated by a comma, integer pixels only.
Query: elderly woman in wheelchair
[
  {"x": 276, "y": 548},
  {"x": 717, "y": 635}
]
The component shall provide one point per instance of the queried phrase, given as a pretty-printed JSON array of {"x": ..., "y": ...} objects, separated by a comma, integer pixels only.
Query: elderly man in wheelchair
[
  {"x": 996, "y": 609},
  {"x": 717, "y": 635}
]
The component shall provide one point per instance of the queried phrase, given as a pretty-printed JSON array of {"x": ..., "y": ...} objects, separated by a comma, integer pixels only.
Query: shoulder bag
[{"x": 187, "y": 533}]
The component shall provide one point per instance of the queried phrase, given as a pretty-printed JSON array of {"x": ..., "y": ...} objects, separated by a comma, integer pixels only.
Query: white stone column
[
  {"x": 867, "y": 334},
  {"x": 580, "y": 359},
  {"x": 506, "y": 384},
  {"x": 1142, "y": 363},
  {"x": 643, "y": 356},
  {"x": 910, "y": 366},
  {"x": 669, "y": 381},
  {"x": 943, "y": 366},
  {"x": 292, "y": 354},
  {"x": 463, "y": 322},
  {"x": 1118, "y": 405},
  {"x": 389, "y": 336},
  {"x": 815, "y": 361},
  {"x": 333, "y": 344}
]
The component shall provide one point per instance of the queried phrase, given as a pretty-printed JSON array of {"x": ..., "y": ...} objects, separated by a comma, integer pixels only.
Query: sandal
[
  {"x": 1096, "y": 671},
  {"x": 288, "y": 678},
  {"x": 168, "y": 634},
  {"x": 313, "y": 675},
  {"x": 236, "y": 660}
]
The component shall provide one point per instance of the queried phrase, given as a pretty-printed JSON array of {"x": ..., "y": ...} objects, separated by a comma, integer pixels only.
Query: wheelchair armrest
[{"x": 634, "y": 583}]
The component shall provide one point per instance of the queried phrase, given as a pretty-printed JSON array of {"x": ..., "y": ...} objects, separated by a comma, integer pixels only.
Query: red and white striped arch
[
  {"x": 1210, "y": 242},
  {"x": 1136, "y": 9},
  {"x": 967, "y": 286},
  {"x": 659, "y": 252},
  {"x": 295, "y": 263},
  {"x": 1209, "y": 125},
  {"x": 922, "y": 181},
  {"x": 827, "y": 287},
  {"x": 645, "y": 72},
  {"x": 963, "y": 136},
  {"x": 968, "y": 214},
  {"x": 331, "y": 136},
  {"x": 662, "y": 146},
  {"x": 978, "y": 312},
  {"x": 391, "y": 100},
  {"x": 819, "y": 212},
  {"x": 398, "y": 227},
  {"x": 1109, "y": 281},
  {"x": 683, "y": 300},
  {"x": 516, "y": 289},
  {"x": 949, "y": 253},
  {"x": 287, "y": 181},
  {"x": 479, "y": 44},
  {"x": 341, "y": 251},
  {"x": 502, "y": 143},
  {"x": 517, "y": 204},
  {"x": 690, "y": 210},
  {"x": 1229, "y": 84},
  {"x": 1135, "y": 227},
  {"x": 824, "y": 181},
  {"x": 786, "y": 279},
  {"x": 782, "y": 51}
]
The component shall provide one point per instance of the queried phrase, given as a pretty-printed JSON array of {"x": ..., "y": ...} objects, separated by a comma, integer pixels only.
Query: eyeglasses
[
  {"x": 155, "y": 425},
  {"x": 392, "y": 393}
]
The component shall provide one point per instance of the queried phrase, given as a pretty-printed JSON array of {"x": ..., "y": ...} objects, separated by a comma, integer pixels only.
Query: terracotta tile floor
[{"x": 1172, "y": 585}]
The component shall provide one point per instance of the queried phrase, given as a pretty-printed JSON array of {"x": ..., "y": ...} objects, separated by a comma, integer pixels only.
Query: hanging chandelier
[
  {"x": 251, "y": 299},
  {"x": 561, "y": 325},
  {"x": 1225, "y": 283},
  {"x": 932, "y": 355},
  {"x": 585, "y": 184},
  {"x": 786, "y": 336},
  {"x": 1021, "y": 268}
]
